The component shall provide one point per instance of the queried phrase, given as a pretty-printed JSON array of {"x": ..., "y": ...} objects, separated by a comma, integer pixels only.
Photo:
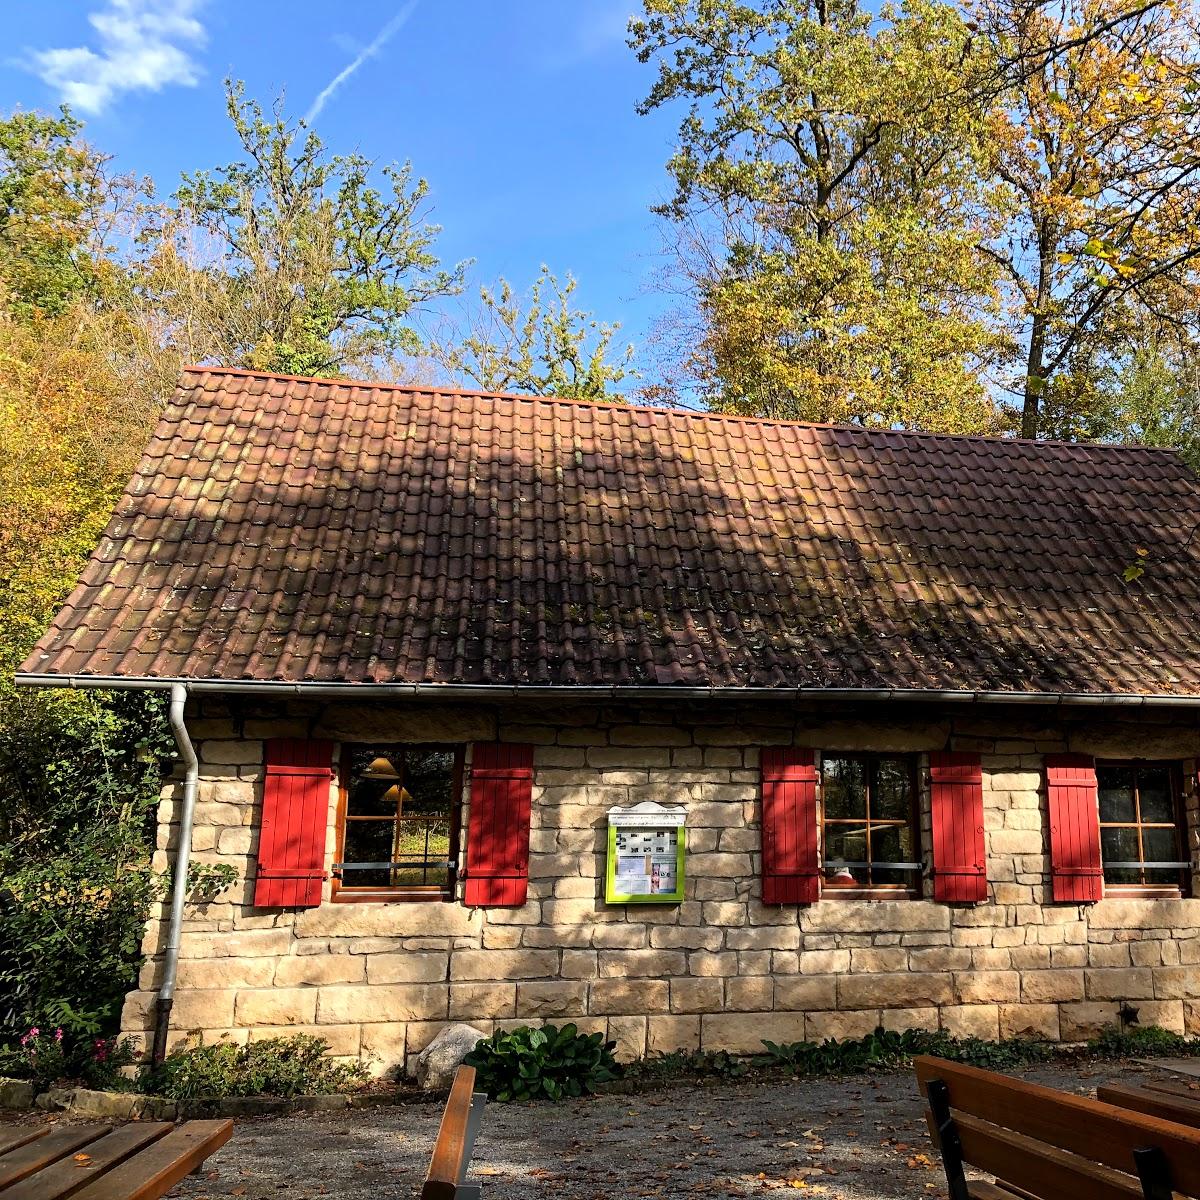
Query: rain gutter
[
  {"x": 488, "y": 691},
  {"x": 179, "y": 884}
]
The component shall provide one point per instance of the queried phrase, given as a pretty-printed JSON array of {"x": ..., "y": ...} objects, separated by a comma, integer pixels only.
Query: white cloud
[
  {"x": 381, "y": 39},
  {"x": 140, "y": 45}
]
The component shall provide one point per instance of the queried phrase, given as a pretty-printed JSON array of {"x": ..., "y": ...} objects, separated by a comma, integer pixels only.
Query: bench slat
[
  {"x": 1093, "y": 1130},
  {"x": 449, "y": 1151},
  {"x": 35, "y": 1155},
  {"x": 159, "y": 1167},
  {"x": 1174, "y": 1087},
  {"x": 1154, "y": 1103},
  {"x": 67, "y": 1176},
  {"x": 1033, "y": 1166},
  {"x": 12, "y": 1138}
]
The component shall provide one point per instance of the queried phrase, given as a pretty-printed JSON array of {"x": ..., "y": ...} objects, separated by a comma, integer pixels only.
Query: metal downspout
[{"x": 179, "y": 889}]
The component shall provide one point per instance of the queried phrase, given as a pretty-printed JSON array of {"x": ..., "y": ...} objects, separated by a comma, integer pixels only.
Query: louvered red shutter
[
  {"x": 1075, "y": 867},
  {"x": 790, "y": 873},
  {"x": 959, "y": 860},
  {"x": 291, "y": 848},
  {"x": 498, "y": 831}
]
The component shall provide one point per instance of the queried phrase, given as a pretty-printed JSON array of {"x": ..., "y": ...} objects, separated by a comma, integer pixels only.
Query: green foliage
[
  {"x": 51, "y": 188},
  {"x": 828, "y": 205},
  {"x": 888, "y": 1049},
  {"x": 549, "y": 349},
  {"x": 79, "y": 779},
  {"x": 289, "y": 259},
  {"x": 1143, "y": 1041},
  {"x": 46, "y": 1055},
  {"x": 717, "y": 1064},
  {"x": 547, "y": 1063},
  {"x": 290, "y": 1066}
]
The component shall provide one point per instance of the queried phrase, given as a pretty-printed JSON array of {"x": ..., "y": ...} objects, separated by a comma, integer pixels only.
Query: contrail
[{"x": 381, "y": 40}]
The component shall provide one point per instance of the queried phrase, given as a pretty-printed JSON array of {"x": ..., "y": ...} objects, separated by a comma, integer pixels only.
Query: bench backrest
[
  {"x": 455, "y": 1140},
  {"x": 1049, "y": 1143}
]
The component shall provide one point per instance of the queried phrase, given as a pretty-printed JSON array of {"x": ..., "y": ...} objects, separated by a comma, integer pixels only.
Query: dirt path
[{"x": 856, "y": 1139}]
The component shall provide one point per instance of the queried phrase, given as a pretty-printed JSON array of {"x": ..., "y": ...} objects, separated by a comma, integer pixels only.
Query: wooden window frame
[
  {"x": 1174, "y": 770},
  {"x": 874, "y": 891},
  {"x": 445, "y": 893}
]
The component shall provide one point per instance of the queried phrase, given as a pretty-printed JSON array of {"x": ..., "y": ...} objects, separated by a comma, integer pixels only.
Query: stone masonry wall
[{"x": 717, "y": 971}]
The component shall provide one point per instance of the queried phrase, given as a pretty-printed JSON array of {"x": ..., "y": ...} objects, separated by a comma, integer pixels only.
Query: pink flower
[
  {"x": 34, "y": 1032},
  {"x": 58, "y": 1035}
]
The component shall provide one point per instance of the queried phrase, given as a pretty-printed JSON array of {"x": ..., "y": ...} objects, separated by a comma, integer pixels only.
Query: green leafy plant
[
  {"x": 548, "y": 1063},
  {"x": 889, "y": 1049},
  {"x": 718, "y": 1064},
  {"x": 1146, "y": 1041},
  {"x": 291, "y": 1066}
]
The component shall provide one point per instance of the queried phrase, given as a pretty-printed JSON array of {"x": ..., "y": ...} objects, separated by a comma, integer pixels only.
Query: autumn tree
[
  {"x": 545, "y": 346},
  {"x": 290, "y": 259},
  {"x": 1095, "y": 154},
  {"x": 827, "y": 185},
  {"x": 54, "y": 190}
]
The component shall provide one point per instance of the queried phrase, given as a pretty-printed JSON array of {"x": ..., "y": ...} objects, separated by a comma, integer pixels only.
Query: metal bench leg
[
  {"x": 948, "y": 1139},
  {"x": 1154, "y": 1172}
]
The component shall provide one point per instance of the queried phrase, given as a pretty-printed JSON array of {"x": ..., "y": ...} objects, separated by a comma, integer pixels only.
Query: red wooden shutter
[
  {"x": 1074, "y": 828},
  {"x": 959, "y": 860},
  {"x": 291, "y": 848},
  {"x": 498, "y": 833},
  {"x": 790, "y": 874}
]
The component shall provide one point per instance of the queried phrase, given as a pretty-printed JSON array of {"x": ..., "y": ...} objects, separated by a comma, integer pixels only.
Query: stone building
[{"x": 933, "y": 744}]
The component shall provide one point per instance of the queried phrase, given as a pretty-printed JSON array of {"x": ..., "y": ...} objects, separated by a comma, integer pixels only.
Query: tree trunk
[{"x": 1035, "y": 385}]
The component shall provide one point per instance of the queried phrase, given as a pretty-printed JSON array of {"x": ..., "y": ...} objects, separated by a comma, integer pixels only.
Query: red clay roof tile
[{"x": 307, "y": 530}]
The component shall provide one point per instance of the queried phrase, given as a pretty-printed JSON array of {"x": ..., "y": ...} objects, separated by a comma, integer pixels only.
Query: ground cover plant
[
  {"x": 547, "y": 1063},
  {"x": 286, "y": 1067}
]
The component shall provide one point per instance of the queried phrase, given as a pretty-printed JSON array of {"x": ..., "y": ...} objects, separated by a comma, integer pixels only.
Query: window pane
[
  {"x": 1154, "y": 792},
  {"x": 893, "y": 790},
  {"x": 428, "y": 781},
  {"x": 374, "y": 787},
  {"x": 1120, "y": 845},
  {"x": 892, "y": 843},
  {"x": 1116, "y": 794},
  {"x": 845, "y": 788},
  {"x": 1160, "y": 845},
  {"x": 368, "y": 841},
  {"x": 847, "y": 844}
]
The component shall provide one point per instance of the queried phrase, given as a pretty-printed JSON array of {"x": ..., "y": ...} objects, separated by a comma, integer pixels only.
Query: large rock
[{"x": 434, "y": 1067}]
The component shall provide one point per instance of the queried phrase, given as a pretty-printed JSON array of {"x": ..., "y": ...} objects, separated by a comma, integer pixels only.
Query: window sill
[
  {"x": 388, "y": 896},
  {"x": 837, "y": 893},
  {"x": 1135, "y": 891}
]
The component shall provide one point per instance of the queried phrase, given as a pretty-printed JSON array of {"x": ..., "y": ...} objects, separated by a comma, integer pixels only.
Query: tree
[
  {"x": 547, "y": 349},
  {"x": 828, "y": 183},
  {"x": 1095, "y": 153},
  {"x": 53, "y": 189},
  {"x": 289, "y": 259}
]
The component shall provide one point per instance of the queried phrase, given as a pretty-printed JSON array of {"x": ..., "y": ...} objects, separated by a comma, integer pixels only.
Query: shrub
[
  {"x": 1148, "y": 1040},
  {"x": 886, "y": 1049},
  {"x": 550, "y": 1063},
  {"x": 291, "y": 1066},
  {"x": 79, "y": 780}
]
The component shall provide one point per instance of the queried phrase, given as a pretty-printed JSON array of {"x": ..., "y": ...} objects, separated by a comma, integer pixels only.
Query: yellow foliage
[{"x": 69, "y": 437}]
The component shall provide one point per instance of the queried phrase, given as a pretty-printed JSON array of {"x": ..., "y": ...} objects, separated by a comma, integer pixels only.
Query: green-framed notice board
[{"x": 646, "y": 853}]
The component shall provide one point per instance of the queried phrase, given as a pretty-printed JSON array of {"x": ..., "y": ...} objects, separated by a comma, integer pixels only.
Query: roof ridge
[{"x": 664, "y": 410}]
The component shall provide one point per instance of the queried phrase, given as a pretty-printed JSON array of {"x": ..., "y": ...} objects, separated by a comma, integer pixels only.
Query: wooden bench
[
  {"x": 1042, "y": 1144},
  {"x": 461, "y": 1119},
  {"x": 1170, "y": 1099},
  {"x": 140, "y": 1161}
]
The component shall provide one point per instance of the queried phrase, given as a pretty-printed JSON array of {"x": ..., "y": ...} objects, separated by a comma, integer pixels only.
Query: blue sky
[{"x": 520, "y": 113}]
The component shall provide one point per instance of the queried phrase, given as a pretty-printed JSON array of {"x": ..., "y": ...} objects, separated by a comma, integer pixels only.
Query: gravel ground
[{"x": 856, "y": 1139}]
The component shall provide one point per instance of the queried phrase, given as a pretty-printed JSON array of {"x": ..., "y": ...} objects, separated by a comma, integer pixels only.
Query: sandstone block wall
[{"x": 719, "y": 970}]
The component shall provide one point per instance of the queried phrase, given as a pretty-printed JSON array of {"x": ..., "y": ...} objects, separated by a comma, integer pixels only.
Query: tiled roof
[{"x": 305, "y": 530}]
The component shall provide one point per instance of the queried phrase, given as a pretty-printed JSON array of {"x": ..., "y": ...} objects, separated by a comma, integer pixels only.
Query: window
[
  {"x": 869, "y": 823},
  {"x": 398, "y": 822},
  {"x": 1141, "y": 830}
]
